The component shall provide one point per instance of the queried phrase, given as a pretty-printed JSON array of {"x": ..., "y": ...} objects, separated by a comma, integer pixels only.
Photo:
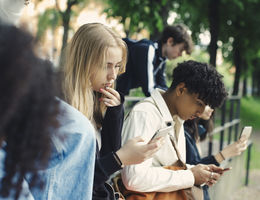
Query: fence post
[
  {"x": 237, "y": 117},
  {"x": 248, "y": 162},
  {"x": 223, "y": 119},
  {"x": 230, "y": 119}
]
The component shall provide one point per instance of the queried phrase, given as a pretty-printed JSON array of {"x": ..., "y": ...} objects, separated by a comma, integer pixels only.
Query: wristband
[
  {"x": 222, "y": 155},
  {"x": 118, "y": 160}
]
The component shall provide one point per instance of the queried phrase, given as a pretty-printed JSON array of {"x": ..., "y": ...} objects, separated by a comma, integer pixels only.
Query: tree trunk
[
  {"x": 237, "y": 62},
  {"x": 244, "y": 87},
  {"x": 257, "y": 84},
  {"x": 253, "y": 84},
  {"x": 164, "y": 13},
  {"x": 65, "y": 21},
  {"x": 214, "y": 29}
]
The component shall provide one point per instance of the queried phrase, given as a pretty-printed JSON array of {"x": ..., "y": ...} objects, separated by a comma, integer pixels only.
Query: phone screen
[
  {"x": 246, "y": 131},
  {"x": 162, "y": 132}
]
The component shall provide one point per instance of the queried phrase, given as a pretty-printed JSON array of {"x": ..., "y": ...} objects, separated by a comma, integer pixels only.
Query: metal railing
[{"x": 229, "y": 118}]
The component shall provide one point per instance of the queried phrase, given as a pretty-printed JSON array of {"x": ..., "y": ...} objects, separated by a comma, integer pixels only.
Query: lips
[
  {"x": 108, "y": 85},
  {"x": 193, "y": 117}
]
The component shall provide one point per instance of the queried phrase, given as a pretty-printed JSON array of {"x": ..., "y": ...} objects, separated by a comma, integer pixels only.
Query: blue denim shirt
[{"x": 71, "y": 168}]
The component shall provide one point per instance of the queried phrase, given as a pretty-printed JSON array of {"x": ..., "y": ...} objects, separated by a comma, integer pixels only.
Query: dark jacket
[
  {"x": 136, "y": 74},
  {"x": 193, "y": 156},
  {"x": 106, "y": 163}
]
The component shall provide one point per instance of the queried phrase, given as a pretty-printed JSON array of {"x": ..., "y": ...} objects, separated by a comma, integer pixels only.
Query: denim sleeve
[
  {"x": 192, "y": 153},
  {"x": 25, "y": 192},
  {"x": 70, "y": 171}
]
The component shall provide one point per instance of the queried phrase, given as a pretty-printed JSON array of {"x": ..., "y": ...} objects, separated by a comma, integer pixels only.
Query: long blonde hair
[{"x": 86, "y": 54}]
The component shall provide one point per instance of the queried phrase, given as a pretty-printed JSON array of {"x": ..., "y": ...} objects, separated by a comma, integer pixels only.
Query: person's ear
[
  {"x": 170, "y": 41},
  {"x": 180, "y": 89}
]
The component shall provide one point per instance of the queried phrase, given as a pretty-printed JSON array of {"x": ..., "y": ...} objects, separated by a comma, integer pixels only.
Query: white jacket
[
  {"x": 144, "y": 120},
  {"x": 10, "y": 10}
]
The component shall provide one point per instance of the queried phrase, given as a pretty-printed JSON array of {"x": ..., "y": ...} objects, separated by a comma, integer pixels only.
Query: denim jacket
[
  {"x": 70, "y": 171},
  {"x": 25, "y": 193}
]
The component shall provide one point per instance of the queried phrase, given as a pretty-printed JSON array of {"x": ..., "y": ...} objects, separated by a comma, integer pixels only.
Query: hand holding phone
[
  {"x": 223, "y": 170},
  {"x": 163, "y": 132}
]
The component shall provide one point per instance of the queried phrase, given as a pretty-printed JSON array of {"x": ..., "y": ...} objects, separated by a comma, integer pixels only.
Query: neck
[
  {"x": 169, "y": 98},
  {"x": 163, "y": 50}
]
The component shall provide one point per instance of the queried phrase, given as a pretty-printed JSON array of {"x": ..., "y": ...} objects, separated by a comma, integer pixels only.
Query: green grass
[
  {"x": 250, "y": 116},
  {"x": 250, "y": 112},
  {"x": 255, "y": 159}
]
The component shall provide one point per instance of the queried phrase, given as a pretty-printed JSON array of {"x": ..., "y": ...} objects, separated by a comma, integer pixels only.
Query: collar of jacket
[
  {"x": 164, "y": 110},
  {"x": 162, "y": 106},
  {"x": 158, "y": 50}
]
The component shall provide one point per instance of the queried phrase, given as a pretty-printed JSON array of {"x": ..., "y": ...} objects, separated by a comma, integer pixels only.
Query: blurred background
[{"x": 226, "y": 34}]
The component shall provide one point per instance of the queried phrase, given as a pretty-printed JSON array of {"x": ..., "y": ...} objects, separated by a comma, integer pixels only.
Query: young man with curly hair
[
  {"x": 194, "y": 86},
  {"x": 146, "y": 59}
]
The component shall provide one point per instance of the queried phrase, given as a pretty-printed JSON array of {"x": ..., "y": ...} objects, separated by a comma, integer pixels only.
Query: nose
[{"x": 112, "y": 73}]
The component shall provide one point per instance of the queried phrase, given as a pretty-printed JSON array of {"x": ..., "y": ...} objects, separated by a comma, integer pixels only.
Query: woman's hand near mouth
[{"x": 112, "y": 97}]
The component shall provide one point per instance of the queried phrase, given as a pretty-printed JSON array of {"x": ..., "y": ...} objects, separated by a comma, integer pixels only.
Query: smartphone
[
  {"x": 246, "y": 131},
  {"x": 163, "y": 132},
  {"x": 227, "y": 168}
]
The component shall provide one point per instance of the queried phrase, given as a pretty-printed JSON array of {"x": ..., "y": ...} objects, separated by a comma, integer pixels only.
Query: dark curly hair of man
[
  {"x": 201, "y": 79},
  {"x": 28, "y": 110}
]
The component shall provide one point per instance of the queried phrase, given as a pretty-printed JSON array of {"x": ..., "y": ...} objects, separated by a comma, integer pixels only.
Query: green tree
[
  {"x": 233, "y": 22},
  {"x": 54, "y": 17},
  {"x": 136, "y": 15}
]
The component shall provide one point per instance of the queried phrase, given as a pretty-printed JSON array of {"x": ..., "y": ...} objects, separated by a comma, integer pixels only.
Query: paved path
[{"x": 252, "y": 192}]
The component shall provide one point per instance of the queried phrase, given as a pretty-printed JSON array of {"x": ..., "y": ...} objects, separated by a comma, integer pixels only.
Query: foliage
[
  {"x": 238, "y": 29},
  {"x": 55, "y": 17},
  {"x": 250, "y": 114},
  {"x": 49, "y": 19},
  {"x": 136, "y": 15}
]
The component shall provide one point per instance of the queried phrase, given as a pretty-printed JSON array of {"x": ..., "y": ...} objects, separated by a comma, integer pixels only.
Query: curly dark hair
[
  {"x": 28, "y": 110},
  {"x": 202, "y": 79},
  {"x": 179, "y": 33}
]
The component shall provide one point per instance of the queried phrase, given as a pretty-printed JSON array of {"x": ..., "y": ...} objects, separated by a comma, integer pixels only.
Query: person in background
[
  {"x": 146, "y": 59},
  {"x": 196, "y": 130},
  {"x": 95, "y": 56}
]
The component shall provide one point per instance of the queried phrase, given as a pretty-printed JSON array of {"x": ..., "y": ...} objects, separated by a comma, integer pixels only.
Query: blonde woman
[{"x": 95, "y": 56}]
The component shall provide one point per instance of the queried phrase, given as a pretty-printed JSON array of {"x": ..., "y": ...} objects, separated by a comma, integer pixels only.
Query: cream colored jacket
[{"x": 144, "y": 120}]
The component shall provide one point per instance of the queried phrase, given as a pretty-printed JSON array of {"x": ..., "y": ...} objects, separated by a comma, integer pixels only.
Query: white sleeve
[
  {"x": 145, "y": 177},
  {"x": 150, "y": 68},
  {"x": 10, "y": 10}
]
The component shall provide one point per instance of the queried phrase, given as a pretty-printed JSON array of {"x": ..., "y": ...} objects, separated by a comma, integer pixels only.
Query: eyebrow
[
  {"x": 201, "y": 101},
  {"x": 116, "y": 63}
]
